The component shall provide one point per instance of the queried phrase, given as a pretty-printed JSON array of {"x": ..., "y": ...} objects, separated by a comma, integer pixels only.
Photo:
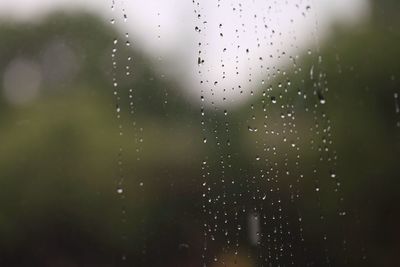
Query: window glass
[{"x": 199, "y": 133}]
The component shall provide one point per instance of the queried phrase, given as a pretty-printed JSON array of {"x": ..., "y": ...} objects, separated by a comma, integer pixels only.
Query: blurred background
[{"x": 176, "y": 134}]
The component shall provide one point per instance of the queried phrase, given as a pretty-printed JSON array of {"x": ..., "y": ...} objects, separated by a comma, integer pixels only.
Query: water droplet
[{"x": 252, "y": 129}]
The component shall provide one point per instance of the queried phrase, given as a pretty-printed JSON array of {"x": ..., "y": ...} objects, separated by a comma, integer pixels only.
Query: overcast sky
[{"x": 232, "y": 34}]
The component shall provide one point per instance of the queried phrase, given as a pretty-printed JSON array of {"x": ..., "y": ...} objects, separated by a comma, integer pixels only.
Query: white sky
[{"x": 177, "y": 41}]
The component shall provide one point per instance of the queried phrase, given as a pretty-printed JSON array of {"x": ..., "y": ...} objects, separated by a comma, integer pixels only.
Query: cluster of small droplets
[
  {"x": 117, "y": 101},
  {"x": 294, "y": 188},
  {"x": 323, "y": 128},
  {"x": 117, "y": 96},
  {"x": 273, "y": 163},
  {"x": 206, "y": 192}
]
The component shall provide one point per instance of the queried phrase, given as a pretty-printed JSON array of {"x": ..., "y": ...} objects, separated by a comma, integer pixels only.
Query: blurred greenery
[{"x": 63, "y": 156}]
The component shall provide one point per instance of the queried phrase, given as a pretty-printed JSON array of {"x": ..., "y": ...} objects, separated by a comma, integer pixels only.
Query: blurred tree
[{"x": 59, "y": 203}]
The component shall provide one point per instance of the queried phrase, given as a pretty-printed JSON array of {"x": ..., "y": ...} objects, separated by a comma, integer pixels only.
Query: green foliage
[{"x": 59, "y": 168}]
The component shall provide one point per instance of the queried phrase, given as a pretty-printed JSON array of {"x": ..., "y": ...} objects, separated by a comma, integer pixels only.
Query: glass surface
[{"x": 199, "y": 133}]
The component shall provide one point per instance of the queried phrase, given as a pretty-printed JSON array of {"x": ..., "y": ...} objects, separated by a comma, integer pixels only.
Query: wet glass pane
[{"x": 199, "y": 133}]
